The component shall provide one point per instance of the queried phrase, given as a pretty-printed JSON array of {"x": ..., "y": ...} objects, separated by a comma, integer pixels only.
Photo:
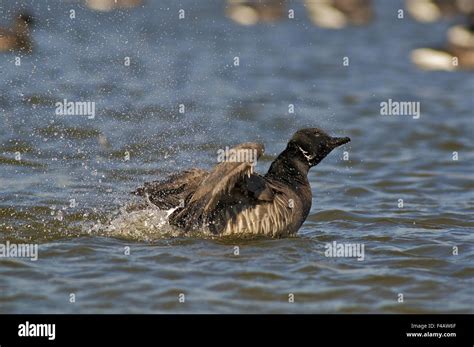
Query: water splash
[{"x": 139, "y": 222}]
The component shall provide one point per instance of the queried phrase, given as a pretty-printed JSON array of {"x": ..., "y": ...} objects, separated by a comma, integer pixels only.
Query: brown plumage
[
  {"x": 250, "y": 12},
  {"x": 109, "y": 5},
  {"x": 457, "y": 54},
  {"x": 337, "y": 14},
  {"x": 17, "y": 38},
  {"x": 232, "y": 199}
]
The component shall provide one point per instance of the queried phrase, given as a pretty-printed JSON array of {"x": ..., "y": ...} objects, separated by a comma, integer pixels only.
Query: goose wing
[
  {"x": 231, "y": 180},
  {"x": 173, "y": 191}
]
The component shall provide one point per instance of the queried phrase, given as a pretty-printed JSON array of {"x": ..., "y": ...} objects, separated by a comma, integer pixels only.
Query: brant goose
[
  {"x": 109, "y": 5},
  {"x": 337, "y": 14},
  {"x": 428, "y": 11},
  {"x": 18, "y": 37},
  {"x": 232, "y": 199},
  {"x": 457, "y": 54},
  {"x": 251, "y": 12}
]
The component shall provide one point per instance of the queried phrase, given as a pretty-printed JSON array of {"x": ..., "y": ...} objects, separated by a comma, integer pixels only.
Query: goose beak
[{"x": 339, "y": 141}]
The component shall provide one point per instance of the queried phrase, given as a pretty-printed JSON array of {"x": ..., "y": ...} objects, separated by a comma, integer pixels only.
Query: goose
[
  {"x": 233, "y": 200},
  {"x": 17, "y": 38}
]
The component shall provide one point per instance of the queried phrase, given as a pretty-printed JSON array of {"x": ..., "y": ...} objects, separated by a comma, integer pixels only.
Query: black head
[
  {"x": 314, "y": 144},
  {"x": 25, "y": 17}
]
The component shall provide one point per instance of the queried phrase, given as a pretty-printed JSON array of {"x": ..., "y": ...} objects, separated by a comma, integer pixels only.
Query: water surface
[{"x": 408, "y": 250}]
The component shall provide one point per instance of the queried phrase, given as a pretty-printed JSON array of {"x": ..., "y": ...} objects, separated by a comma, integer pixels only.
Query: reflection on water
[{"x": 65, "y": 180}]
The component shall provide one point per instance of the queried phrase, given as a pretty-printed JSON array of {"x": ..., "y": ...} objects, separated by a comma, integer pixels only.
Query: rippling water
[{"x": 408, "y": 250}]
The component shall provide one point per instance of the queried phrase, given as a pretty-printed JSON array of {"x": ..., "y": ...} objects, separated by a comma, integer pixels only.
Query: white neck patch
[{"x": 306, "y": 155}]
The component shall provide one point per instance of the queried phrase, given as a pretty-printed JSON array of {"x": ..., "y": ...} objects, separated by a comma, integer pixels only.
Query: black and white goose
[{"x": 232, "y": 199}]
